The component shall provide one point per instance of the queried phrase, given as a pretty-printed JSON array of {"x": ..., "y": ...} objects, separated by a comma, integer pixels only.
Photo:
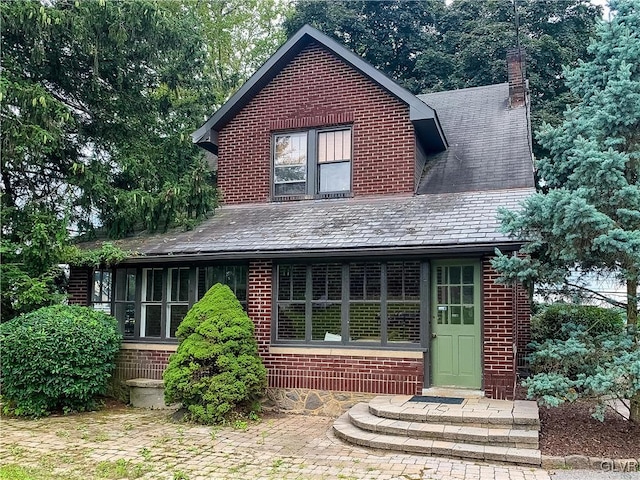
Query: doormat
[{"x": 430, "y": 399}]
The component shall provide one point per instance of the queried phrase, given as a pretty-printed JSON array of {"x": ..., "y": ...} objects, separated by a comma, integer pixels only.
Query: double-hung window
[{"x": 312, "y": 163}]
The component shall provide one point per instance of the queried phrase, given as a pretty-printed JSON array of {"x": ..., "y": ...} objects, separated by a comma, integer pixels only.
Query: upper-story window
[{"x": 312, "y": 163}]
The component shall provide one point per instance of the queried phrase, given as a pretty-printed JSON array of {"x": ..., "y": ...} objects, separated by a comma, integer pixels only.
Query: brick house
[{"x": 357, "y": 226}]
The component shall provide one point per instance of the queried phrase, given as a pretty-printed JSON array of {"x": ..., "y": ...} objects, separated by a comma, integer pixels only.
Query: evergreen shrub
[
  {"x": 549, "y": 322},
  {"x": 216, "y": 369},
  {"x": 57, "y": 358}
]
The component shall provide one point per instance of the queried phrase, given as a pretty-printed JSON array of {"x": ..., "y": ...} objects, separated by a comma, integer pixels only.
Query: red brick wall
[
  {"x": 141, "y": 364},
  {"x": 324, "y": 372},
  {"x": 78, "y": 288},
  {"x": 498, "y": 335},
  {"x": 316, "y": 89}
]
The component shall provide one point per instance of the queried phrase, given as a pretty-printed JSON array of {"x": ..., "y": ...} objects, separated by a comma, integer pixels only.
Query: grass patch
[
  {"x": 18, "y": 472},
  {"x": 121, "y": 468}
]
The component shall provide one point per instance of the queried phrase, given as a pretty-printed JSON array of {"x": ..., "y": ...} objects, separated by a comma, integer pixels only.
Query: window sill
[
  {"x": 346, "y": 351},
  {"x": 149, "y": 345}
]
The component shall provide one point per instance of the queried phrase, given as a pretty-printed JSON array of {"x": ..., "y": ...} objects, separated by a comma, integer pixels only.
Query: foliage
[
  {"x": 597, "y": 367},
  {"x": 216, "y": 367},
  {"x": 98, "y": 100},
  {"x": 240, "y": 35},
  {"x": 429, "y": 46},
  {"x": 548, "y": 324},
  {"x": 57, "y": 357},
  {"x": 588, "y": 212}
]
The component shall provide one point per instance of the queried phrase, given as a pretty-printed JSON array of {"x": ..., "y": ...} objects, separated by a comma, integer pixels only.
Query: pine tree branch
[{"x": 599, "y": 295}]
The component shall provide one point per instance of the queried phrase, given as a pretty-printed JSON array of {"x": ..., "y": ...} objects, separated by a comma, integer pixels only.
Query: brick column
[
  {"x": 499, "y": 369},
  {"x": 79, "y": 284},
  {"x": 259, "y": 297}
]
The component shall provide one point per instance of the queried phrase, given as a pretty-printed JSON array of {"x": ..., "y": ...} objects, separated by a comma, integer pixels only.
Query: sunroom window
[
  {"x": 150, "y": 303},
  {"x": 359, "y": 303}
]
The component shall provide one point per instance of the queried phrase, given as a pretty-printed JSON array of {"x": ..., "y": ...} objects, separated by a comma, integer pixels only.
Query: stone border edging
[{"x": 591, "y": 463}]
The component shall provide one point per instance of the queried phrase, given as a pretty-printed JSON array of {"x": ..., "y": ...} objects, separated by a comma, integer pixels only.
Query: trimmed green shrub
[
  {"x": 216, "y": 368},
  {"x": 57, "y": 358},
  {"x": 548, "y": 323}
]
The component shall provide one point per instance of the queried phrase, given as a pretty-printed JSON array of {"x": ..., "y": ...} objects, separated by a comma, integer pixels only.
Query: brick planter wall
[{"x": 316, "y": 89}]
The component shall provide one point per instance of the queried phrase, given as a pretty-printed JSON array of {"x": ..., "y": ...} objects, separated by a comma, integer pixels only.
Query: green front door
[{"x": 455, "y": 325}]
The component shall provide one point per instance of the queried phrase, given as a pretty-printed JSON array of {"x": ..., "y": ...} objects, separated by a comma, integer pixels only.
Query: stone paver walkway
[{"x": 128, "y": 443}]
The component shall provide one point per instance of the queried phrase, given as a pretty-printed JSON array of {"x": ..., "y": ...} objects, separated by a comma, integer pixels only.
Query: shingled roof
[
  {"x": 390, "y": 225},
  {"x": 489, "y": 142}
]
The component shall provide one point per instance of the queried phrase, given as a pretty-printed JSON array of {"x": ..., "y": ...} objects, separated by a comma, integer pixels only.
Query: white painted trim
[
  {"x": 346, "y": 352},
  {"x": 165, "y": 347}
]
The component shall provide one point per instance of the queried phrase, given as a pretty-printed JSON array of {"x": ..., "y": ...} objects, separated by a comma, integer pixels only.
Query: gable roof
[
  {"x": 392, "y": 225},
  {"x": 489, "y": 142},
  {"x": 423, "y": 117}
]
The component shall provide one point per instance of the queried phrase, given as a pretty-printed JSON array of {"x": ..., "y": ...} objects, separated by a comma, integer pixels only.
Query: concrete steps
[{"x": 479, "y": 429}]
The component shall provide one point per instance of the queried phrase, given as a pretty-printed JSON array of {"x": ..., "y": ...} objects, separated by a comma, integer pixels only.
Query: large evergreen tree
[
  {"x": 587, "y": 214},
  {"x": 97, "y": 102}
]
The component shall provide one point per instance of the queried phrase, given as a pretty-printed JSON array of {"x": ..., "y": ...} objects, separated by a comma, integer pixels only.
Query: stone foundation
[{"x": 313, "y": 402}]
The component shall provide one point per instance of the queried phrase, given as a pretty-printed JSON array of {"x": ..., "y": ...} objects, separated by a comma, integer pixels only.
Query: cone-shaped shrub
[
  {"x": 216, "y": 367},
  {"x": 57, "y": 358}
]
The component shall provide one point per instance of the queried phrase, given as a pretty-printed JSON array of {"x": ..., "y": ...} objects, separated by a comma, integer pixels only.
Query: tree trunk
[
  {"x": 632, "y": 321},
  {"x": 632, "y": 302}
]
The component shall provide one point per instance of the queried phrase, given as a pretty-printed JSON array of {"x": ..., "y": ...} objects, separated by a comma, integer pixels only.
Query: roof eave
[{"x": 433, "y": 250}]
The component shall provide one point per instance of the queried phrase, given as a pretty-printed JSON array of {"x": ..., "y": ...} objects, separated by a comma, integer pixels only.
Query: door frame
[{"x": 432, "y": 305}]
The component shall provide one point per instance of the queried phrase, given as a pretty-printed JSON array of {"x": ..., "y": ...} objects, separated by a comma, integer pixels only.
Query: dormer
[{"x": 317, "y": 121}]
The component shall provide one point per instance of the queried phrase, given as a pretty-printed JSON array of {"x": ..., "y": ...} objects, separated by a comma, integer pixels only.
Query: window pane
[
  {"x": 284, "y": 282},
  {"x": 326, "y": 281},
  {"x": 335, "y": 177},
  {"x": 285, "y": 189},
  {"x": 291, "y": 322},
  {"x": 394, "y": 281},
  {"x": 364, "y": 322},
  {"x": 373, "y": 272},
  {"x": 101, "y": 286},
  {"x": 467, "y": 275},
  {"x": 454, "y": 275},
  {"x": 326, "y": 318},
  {"x": 290, "y": 174},
  {"x": 102, "y": 307},
  {"x": 152, "y": 315},
  {"x": 412, "y": 280},
  {"x": 126, "y": 315},
  {"x": 299, "y": 281},
  {"x": 455, "y": 314},
  {"x": 356, "y": 281},
  {"x": 154, "y": 285},
  {"x": 455, "y": 294},
  {"x": 403, "y": 322},
  {"x": 467, "y": 294},
  {"x": 176, "y": 314},
  {"x": 125, "y": 284},
  {"x": 291, "y": 149},
  {"x": 174, "y": 284},
  {"x": 334, "y": 146},
  {"x": 467, "y": 315},
  {"x": 179, "y": 287}
]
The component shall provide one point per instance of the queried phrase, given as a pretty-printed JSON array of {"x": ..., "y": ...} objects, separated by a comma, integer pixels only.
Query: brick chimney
[{"x": 516, "y": 74}]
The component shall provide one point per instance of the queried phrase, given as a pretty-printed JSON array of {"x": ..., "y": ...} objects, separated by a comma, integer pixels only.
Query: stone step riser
[
  {"x": 348, "y": 432},
  {"x": 459, "y": 420},
  {"x": 515, "y": 441}
]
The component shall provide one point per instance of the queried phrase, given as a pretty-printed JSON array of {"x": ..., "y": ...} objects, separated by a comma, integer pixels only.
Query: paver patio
[{"x": 147, "y": 444}]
